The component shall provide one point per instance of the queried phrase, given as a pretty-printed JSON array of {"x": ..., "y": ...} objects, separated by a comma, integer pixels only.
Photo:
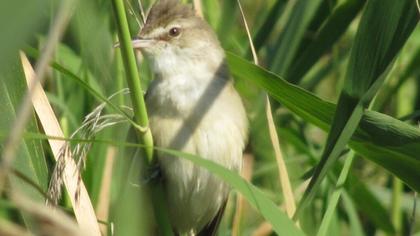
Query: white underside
[{"x": 194, "y": 195}]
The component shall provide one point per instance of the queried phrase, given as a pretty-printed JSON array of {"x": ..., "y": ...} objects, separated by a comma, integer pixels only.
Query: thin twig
[
  {"x": 22, "y": 117},
  {"x": 283, "y": 174},
  {"x": 143, "y": 16},
  {"x": 418, "y": 5}
]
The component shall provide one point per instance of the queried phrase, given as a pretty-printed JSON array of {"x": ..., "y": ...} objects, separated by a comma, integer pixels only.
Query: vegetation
[{"x": 343, "y": 82}]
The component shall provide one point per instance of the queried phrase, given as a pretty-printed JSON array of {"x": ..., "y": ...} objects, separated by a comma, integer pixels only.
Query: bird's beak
[{"x": 139, "y": 43}]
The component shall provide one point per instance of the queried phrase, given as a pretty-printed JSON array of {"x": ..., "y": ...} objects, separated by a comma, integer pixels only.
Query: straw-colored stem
[
  {"x": 78, "y": 196},
  {"x": 247, "y": 168},
  {"x": 283, "y": 174},
  {"x": 418, "y": 5}
]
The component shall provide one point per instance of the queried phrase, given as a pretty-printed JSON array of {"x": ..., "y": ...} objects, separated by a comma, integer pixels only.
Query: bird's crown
[{"x": 165, "y": 11}]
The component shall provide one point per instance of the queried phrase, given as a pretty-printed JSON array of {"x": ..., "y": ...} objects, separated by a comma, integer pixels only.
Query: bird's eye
[{"x": 175, "y": 31}]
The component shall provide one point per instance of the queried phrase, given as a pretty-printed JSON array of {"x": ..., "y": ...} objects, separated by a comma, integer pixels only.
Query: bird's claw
[{"x": 152, "y": 173}]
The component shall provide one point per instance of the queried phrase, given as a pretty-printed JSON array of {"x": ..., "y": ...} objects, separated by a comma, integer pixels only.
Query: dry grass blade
[
  {"x": 83, "y": 208},
  {"x": 131, "y": 12},
  {"x": 263, "y": 230},
  {"x": 93, "y": 123},
  {"x": 48, "y": 222},
  {"x": 102, "y": 210},
  {"x": 283, "y": 174},
  {"x": 418, "y": 5},
  {"x": 143, "y": 16},
  {"x": 63, "y": 16},
  {"x": 198, "y": 8},
  {"x": 247, "y": 175},
  {"x": 248, "y": 32},
  {"x": 11, "y": 229}
]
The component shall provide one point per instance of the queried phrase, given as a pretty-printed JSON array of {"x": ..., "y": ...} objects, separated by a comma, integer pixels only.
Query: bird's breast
[{"x": 206, "y": 118}]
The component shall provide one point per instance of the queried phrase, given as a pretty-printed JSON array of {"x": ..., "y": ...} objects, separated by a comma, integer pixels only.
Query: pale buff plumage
[{"x": 193, "y": 107}]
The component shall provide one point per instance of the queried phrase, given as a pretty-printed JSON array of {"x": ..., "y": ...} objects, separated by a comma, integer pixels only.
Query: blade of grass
[
  {"x": 30, "y": 157},
  {"x": 133, "y": 79},
  {"x": 380, "y": 138},
  {"x": 284, "y": 176},
  {"x": 330, "y": 31},
  {"x": 9, "y": 149},
  {"x": 82, "y": 206},
  {"x": 413, "y": 214},
  {"x": 369, "y": 61},
  {"x": 411, "y": 70},
  {"x": 333, "y": 200},
  {"x": 228, "y": 12},
  {"x": 266, "y": 28},
  {"x": 81, "y": 81},
  {"x": 12, "y": 229},
  {"x": 368, "y": 204},
  {"x": 140, "y": 113},
  {"x": 396, "y": 214},
  {"x": 281, "y": 223},
  {"x": 102, "y": 210},
  {"x": 248, "y": 165},
  {"x": 198, "y": 8},
  {"x": 354, "y": 221},
  {"x": 289, "y": 40},
  {"x": 418, "y": 5},
  {"x": 48, "y": 221},
  {"x": 27, "y": 23}
]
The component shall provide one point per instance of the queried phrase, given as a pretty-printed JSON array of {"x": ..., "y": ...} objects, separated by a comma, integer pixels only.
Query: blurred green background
[{"x": 305, "y": 43}]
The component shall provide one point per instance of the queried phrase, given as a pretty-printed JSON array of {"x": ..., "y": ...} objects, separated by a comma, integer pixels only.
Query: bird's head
[{"x": 173, "y": 32}]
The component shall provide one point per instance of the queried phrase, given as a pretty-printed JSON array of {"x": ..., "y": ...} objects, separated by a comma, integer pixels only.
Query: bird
[{"x": 193, "y": 107}]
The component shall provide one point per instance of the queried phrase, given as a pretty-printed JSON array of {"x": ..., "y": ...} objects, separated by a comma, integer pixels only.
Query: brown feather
[{"x": 165, "y": 11}]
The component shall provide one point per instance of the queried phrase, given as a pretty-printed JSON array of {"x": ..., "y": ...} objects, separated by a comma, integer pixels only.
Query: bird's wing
[{"x": 211, "y": 228}]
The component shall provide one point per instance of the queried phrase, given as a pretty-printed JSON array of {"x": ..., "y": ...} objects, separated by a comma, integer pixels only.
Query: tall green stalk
[
  {"x": 140, "y": 113},
  {"x": 133, "y": 79},
  {"x": 397, "y": 188}
]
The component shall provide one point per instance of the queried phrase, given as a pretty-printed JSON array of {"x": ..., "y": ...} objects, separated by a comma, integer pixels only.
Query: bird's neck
[
  {"x": 181, "y": 81},
  {"x": 191, "y": 63}
]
